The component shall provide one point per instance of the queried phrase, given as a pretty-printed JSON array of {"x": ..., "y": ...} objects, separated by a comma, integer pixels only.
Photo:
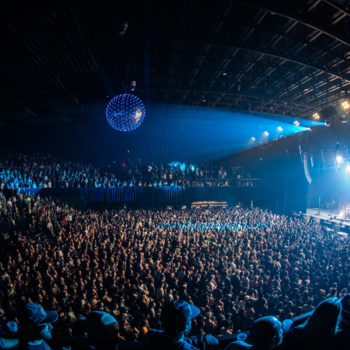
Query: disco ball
[{"x": 125, "y": 112}]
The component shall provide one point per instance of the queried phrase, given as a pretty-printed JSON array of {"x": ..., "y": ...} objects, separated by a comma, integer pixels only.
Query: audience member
[
  {"x": 266, "y": 333},
  {"x": 36, "y": 326},
  {"x": 342, "y": 338},
  {"x": 8, "y": 335},
  {"x": 102, "y": 331},
  {"x": 318, "y": 331},
  {"x": 176, "y": 319}
]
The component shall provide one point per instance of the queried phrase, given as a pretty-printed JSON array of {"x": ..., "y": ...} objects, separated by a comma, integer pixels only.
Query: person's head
[
  {"x": 8, "y": 335},
  {"x": 345, "y": 313},
  {"x": 102, "y": 330},
  {"x": 8, "y": 329},
  {"x": 37, "y": 322},
  {"x": 266, "y": 332},
  {"x": 325, "y": 318},
  {"x": 176, "y": 317}
]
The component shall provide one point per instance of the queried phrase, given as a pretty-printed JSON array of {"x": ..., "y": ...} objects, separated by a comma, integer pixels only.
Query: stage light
[
  {"x": 339, "y": 159},
  {"x": 266, "y": 133},
  {"x": 252, "y": 139},
  {"x": 345, "y": 105},
  {"x": 316, "y": 116},
  {"x": 279, "y": 129},
  {"x": 341, "y": 214},
  {"x": 347, "y": 170},
  {"x": 296, "y": 123}
]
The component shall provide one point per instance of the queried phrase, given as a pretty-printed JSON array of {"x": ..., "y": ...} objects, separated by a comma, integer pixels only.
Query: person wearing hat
[
  {"x": 319, "y": 330},
  {"x": 342, "y": 337},
  {"x": 345, "y": 313},
  {"x": 8, "y": 335},
  {"x": 102, "y": 331},
  {"x": 266, "y": 333},
  {"x": 176, "y": 319},
  {"x": 37, "y": 326}
]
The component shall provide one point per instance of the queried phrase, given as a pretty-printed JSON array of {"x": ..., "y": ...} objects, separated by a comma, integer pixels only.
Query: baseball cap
[
  {"x": 34, "y": 315},
  {"x": 180, "y": 307},
  {"x": 8, "y": 329},
  {"x": 101, "y": 326},
  {"x": 176, "y": 314}
]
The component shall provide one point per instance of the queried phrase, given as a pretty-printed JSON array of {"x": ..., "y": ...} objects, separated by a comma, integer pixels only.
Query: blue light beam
[{"x": 204, "y": 134}]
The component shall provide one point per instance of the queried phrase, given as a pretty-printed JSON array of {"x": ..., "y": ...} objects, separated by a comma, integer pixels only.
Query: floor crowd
[{"x": 130, "y": 263}]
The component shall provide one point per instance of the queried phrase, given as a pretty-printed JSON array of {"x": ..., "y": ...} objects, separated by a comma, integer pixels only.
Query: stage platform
[{"x": 332, "y": 219}]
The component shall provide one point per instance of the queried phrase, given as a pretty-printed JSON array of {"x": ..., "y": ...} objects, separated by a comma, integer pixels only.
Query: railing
[{"x": 155, "y": 195}]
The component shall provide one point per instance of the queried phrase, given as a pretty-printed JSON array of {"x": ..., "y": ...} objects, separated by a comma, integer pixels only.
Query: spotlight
[
  {"x": 339, "y": 159},
  {"x": 279, "y": 129},
  {"x": 316, "y": 116},
  {"x": 266, "y": 133},
  {"x": 296, "y": 123},
  {"x": 345, "y": 105},
  {"x": 347, "y": 170},
  {"x": 252, "y": 139}
]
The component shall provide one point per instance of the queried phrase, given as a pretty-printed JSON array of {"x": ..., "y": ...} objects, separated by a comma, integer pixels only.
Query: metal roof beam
[
  {"x": 336, "y": 7},
  {"x": 288, "y": 58},
  {"x": 294, "y": 17},
  {"x": 237, "y": 94}
]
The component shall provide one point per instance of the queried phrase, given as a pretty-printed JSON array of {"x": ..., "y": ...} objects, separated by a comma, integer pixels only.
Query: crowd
[
  {"x": 326, "y": 327},
  {"x": 130, "y": 263},
  {"x": 45, "y": 171}
]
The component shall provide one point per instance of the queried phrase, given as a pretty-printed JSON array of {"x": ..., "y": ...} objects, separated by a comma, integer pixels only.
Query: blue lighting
[
  {"x": 202, "y": 133},
  {"x": 187, "y": 133},
  {"x": 175, "y": 164},
  {"x": 125, "y": 112},
  {"x": 210, "y": 226}
]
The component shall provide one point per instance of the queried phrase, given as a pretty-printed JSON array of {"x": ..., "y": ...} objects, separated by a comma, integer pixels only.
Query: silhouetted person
[
  {"x": 343, "y": 336},
  {"x": 266, "y": 333},
  {"x": 102, "y": 331},
  {"x": 9, "y": 335},
  {"x": 318, "y": 331},
  {"x": 37, "y": 326},
  {"x": 176, "y": 319}
]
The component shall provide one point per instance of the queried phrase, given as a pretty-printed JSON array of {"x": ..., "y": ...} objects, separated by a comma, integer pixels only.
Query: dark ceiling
[{"x": 61, "y": 63}]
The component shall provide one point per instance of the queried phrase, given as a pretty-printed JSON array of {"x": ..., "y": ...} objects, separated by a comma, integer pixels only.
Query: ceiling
[{"x": 62, "y": 63}]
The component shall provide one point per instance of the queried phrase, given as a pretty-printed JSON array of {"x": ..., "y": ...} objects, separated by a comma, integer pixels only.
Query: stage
[{"x": 331, "y": 218}]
